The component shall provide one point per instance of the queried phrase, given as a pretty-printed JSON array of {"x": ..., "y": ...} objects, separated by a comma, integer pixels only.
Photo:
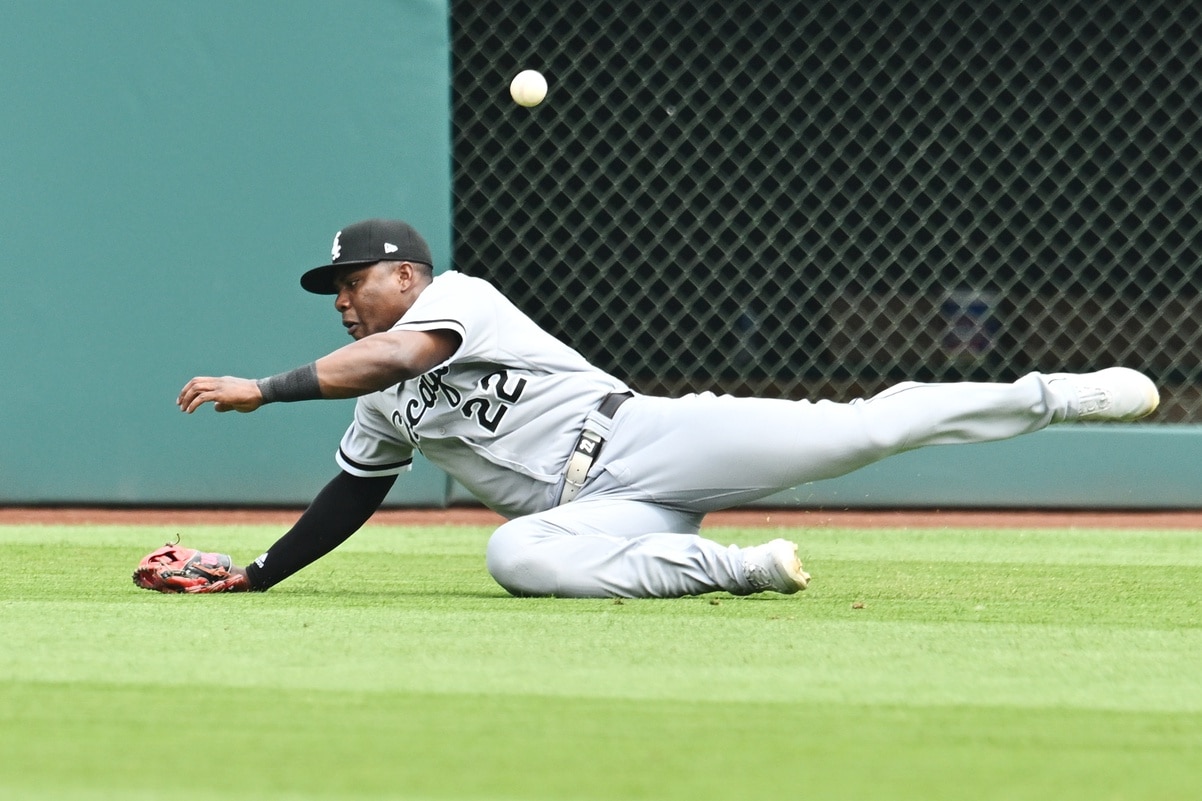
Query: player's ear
[
  {"x": 402, "y": 273},
  {"x": 408, "y": 274}
]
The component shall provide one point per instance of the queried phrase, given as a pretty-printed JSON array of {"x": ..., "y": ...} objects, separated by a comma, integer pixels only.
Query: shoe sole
[
  {"x": 788, "y": 566},
  {"x": 1152, "y": 395}
]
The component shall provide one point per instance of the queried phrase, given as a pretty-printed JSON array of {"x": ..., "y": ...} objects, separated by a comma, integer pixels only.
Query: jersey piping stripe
[
  {"x": 428, "y": 324},
  {"x": 373, "y": 468}
]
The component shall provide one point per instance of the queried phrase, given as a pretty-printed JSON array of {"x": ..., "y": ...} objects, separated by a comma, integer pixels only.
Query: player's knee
[{"x": 514, "y": 561}]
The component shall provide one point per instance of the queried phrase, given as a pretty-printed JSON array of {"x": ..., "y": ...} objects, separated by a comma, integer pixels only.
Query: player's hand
[{"x": 227, "y": 394}]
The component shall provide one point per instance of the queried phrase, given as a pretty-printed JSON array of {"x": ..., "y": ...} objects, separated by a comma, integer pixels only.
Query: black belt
[
  {"x": 588, "y": 447},
  {"x": 611, "y": 402}
]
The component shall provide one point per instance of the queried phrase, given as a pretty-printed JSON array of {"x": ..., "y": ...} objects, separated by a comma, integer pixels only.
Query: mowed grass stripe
[
  {"x": 114, "y": 741},
  {"x": 607, "y": 653}
]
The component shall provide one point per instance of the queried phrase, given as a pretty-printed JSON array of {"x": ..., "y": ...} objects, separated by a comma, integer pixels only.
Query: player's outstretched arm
[
  {"x": 373, "y": 363},
  {"x": 338, "y": 511}
]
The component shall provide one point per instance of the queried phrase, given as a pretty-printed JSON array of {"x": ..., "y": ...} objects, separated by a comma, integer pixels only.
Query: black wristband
[{"x": 295, "y": 385}]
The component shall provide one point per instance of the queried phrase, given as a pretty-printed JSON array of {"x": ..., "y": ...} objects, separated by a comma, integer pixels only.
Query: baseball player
[{"x": 604, "y": 490}]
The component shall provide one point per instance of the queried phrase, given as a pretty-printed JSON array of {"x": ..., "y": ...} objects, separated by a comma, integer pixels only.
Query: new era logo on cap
[{"x": 390, "y": 248}]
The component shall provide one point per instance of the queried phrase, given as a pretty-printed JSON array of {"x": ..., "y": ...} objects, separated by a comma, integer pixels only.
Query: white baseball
[{"x": 528, "y": 88}]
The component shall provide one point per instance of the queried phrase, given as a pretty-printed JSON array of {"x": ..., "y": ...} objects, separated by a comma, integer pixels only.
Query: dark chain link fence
[{"x": 821, "y": 199}]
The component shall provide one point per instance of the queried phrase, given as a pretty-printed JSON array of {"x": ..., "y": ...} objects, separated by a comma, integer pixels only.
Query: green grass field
[{"x": 949, "y": 664}]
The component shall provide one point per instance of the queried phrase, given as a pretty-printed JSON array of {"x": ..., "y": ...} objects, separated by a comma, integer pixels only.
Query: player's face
[{"x": 370, "y": 299}]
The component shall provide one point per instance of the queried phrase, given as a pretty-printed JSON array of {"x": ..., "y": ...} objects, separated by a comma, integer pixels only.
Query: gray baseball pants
[{"x": 633, "y": 529}]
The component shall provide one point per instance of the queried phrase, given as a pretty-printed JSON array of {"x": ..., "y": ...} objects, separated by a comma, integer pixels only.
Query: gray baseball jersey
[
  {"x": 500, "y": 416},
  {"x": 503, "y": 413}
]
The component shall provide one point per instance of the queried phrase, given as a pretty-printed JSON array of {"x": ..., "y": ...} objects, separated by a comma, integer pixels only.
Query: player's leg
[
  {"x": 626, "y": 536},
  {"x": 709, "y": 452},
  {"x": 608, "y": 547}
]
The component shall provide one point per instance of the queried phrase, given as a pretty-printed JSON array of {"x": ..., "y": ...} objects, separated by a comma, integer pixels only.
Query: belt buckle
[{"x": 587, "y": 447}]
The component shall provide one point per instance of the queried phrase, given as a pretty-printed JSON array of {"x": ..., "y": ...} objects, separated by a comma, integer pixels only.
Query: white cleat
[
  {"x": 775, "y": 566},
  {"x": 1116, "y": 393}
]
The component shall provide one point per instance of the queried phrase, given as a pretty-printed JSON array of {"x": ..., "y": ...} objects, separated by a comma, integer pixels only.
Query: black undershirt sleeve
[{"x": 336, "y": 513}]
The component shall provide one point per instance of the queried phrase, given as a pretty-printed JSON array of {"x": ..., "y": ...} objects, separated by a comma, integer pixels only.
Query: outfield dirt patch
[{"x": 771, "y": 518}]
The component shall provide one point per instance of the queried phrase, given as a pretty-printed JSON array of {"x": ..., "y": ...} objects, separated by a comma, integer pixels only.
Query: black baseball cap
[{"x": 366, "y": 243}]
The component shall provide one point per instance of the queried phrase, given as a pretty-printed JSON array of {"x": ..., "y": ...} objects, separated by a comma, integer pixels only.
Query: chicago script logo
[{"x": 429, "y": 387}]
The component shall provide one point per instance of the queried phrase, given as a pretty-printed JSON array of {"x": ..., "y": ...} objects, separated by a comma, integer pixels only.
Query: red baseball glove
[{"x": 175, "y": 569}]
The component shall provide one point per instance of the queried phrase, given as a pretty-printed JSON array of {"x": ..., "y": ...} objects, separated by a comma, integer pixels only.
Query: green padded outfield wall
[{"x": 168, "y": 170}]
